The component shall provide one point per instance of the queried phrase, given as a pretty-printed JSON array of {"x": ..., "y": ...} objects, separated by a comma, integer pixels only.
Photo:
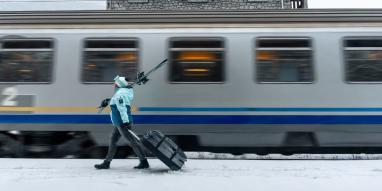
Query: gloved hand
[
  {"x": 129, "y": 86},
  {"x": 126, "y": 125},
  {"x": 104, "y": 102}
]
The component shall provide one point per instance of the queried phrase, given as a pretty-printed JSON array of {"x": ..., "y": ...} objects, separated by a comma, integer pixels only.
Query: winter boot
[
  {"x": 143, "y": 164},
  {"x": 104, "y": 165}
]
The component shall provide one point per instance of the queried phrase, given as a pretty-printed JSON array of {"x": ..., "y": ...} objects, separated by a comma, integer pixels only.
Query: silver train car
[{"x": 261, "y": 82}]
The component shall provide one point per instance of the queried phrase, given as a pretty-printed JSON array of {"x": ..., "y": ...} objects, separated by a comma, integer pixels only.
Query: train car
[{"x": 240, "y": 82}]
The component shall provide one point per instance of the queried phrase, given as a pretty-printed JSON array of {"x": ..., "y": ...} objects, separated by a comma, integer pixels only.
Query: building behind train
[{"x": 206, "y": 5}]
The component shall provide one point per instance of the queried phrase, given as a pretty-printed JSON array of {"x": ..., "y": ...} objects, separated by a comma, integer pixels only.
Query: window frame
[
  {"x": 255, "y": 62},
  {"x": 223, "y": 65},
  {"x": 53, "y": 50},
  {"x": 83, "y": 50},
  {"x": 345, "y": 64}
]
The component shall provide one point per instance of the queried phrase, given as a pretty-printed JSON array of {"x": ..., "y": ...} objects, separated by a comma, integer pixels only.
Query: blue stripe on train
[
  {"x": 257, "y": 109},
  {"x": 196, "y": 119}
]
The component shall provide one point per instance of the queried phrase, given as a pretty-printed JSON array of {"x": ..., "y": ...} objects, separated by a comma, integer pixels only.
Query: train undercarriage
[{"x": 66, "y": 144}]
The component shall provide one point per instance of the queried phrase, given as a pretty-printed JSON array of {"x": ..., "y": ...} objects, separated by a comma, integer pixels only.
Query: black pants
[{"x": 134, "y": 143}]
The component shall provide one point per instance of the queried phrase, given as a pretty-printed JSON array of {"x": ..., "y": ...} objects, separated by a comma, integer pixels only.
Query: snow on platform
[{"x": 237, "y": 175}]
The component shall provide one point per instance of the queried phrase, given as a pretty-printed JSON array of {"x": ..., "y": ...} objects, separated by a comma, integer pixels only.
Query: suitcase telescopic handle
[{"x": 136, "y": 136}]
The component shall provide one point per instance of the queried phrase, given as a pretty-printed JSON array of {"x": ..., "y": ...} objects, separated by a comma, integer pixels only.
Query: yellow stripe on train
[{"x": 56, "y": 109}]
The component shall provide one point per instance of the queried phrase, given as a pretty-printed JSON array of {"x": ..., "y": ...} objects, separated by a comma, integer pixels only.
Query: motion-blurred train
[{"x": 245, "y": 81}]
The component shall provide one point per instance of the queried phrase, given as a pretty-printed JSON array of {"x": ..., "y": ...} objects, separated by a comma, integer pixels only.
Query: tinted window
[
  {"x": 284, "y": 60},
  {"x": 196, "y": 60},
  {"x": 106, "y": 58},
  {"x": 363, "y": 59},
  {"x": 26, "y": 60}
]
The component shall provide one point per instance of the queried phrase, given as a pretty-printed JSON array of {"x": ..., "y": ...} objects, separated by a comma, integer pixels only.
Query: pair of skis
[{"x": 142, "y": 77}]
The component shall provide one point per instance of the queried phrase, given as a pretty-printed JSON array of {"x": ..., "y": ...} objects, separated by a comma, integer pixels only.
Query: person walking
[{"x": 120, "y": 105}]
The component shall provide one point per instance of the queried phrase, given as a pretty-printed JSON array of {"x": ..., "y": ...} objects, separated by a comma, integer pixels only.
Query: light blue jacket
[{"x": 120, "y": 102}]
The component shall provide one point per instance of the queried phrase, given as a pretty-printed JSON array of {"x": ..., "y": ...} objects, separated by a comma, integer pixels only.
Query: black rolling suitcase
[{"x": 165, "y": 149}]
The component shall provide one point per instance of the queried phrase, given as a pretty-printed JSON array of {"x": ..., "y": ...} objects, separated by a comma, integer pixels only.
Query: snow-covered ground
[{"x": 207, "y": 174}]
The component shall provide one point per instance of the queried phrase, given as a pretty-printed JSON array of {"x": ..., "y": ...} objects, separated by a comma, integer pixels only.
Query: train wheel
[
  {"x": 78, "y": 145},
  {"x": 10, "y": 147}
]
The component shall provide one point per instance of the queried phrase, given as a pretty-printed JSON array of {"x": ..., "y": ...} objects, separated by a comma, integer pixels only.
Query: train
[{"x": 273, "y": 81}]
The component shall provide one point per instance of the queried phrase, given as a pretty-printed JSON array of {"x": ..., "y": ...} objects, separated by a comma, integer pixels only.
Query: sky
[
  {"x": 21, "y": 5},
  {"x": 33, "y": 5}
]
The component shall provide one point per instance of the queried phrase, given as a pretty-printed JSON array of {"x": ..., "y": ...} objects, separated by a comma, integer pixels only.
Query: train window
[
  {"x": 26, "y": 60},
  {"x": 284, "y": 60},
  {"x": 106, "y": 58},
  {"x": 196, "y": 60},
  {"x": 363, "y": 59}
]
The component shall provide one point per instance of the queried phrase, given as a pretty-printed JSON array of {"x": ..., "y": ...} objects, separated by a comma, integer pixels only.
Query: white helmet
[{"x": 120, "y": 82}]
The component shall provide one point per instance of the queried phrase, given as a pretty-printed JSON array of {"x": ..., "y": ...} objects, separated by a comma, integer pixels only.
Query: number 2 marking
[{"x": 11, "y": 93}]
